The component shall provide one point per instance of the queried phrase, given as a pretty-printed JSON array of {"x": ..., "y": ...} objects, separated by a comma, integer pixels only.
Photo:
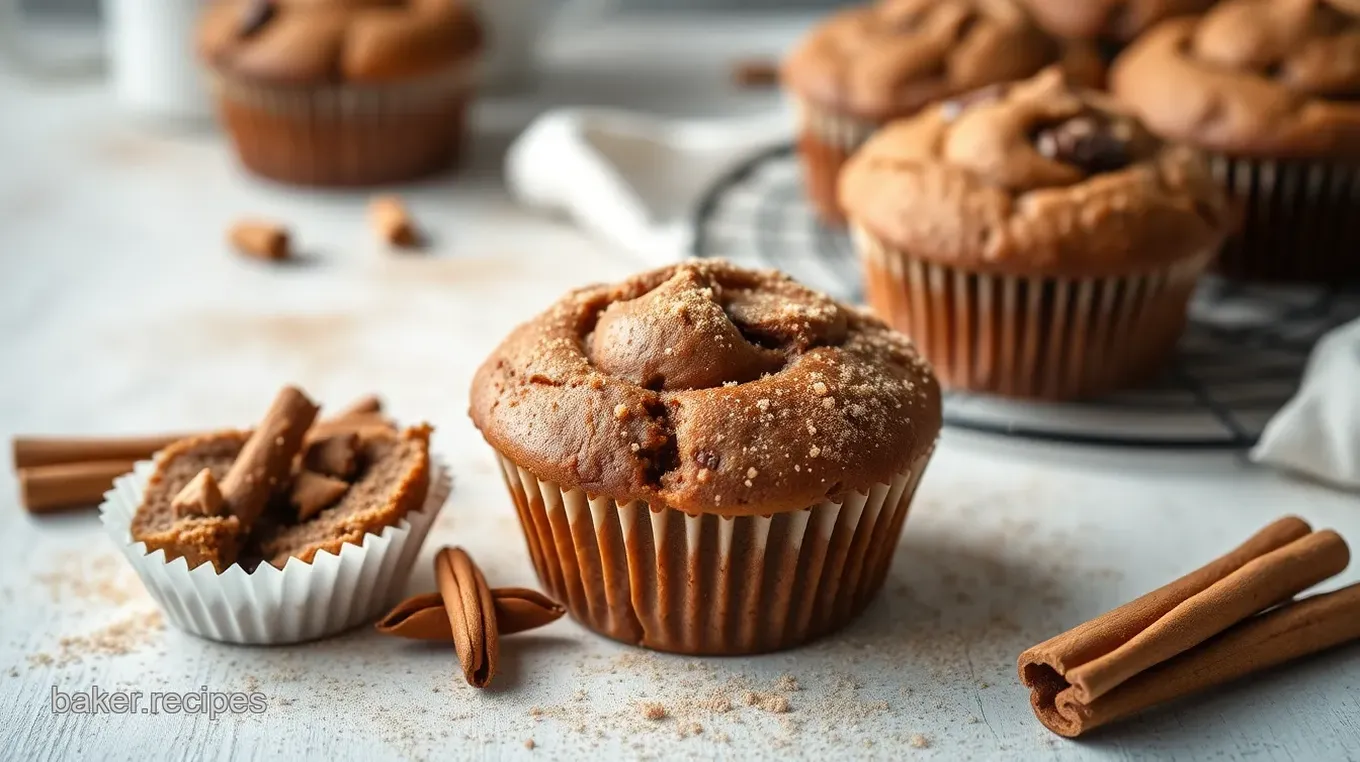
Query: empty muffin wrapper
[{"x": 272, "y": 606}]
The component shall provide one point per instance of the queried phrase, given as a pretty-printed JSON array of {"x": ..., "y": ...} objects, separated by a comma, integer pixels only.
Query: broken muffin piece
[{"x": 271, "y": 507}]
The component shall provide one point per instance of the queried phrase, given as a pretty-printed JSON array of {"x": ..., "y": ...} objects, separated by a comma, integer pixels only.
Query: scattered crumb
[
  {"x": 919, "y": 741},
  {"x": 769, "y": 702},
  {"x": 654, "y": 711},
  {"x": 689, "y": 729},
  {"x": 529, "y": 744},
  {"x": 787, "y": 682}
]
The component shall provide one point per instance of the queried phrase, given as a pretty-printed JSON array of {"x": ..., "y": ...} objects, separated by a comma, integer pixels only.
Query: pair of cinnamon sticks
[
  {"x": 470, "y": 614},
  {"x": 1231, "y": 618},
  {"x": 58, "y": 473}
]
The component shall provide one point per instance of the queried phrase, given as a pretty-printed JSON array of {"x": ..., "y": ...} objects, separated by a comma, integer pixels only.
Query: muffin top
[
  {"x": 1272, "y": 78},
  {"x": 1112, "y": 20},
  {"x": 708, "y": 388},
  {"x": 305, "y": 42},
  {"x": 891, "y": 58},
  {"x": 1034, "y": 177}
]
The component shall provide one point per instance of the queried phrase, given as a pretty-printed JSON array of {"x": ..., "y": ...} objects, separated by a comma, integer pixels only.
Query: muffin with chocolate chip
[
  {"x": 708, "y": 459},
  {"x": 1270, "y": 89},
  {"x": 1034, "y": 239},
  {"x": 869, "y": 64},
  {"x": 342, "y": 92}
]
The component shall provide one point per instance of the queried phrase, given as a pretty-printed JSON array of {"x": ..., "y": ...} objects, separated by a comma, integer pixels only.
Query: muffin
[
  {"x": 1033, "y": 239},
  {"x": 1268, "y": 89},
  {"x": 389, "y": 478},
  {"x": 869, "y": 64},
  {"x": 289, "y": 532},
  {"x": 342, "y": 92},
  {"x": 707, "y": 459},
  {"x": 1110, "y": 24}
]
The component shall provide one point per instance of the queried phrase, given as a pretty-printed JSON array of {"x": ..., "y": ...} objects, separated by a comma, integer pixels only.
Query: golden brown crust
[
  {"x": 708, "y": 388},
  {"x": 891, "y": 58},
  {"x": 318, "y": 41},
  {"x": 1273, "y": 78},
  {"x": 1113, "y": 20},
  {"x": 999, "y": 182}
]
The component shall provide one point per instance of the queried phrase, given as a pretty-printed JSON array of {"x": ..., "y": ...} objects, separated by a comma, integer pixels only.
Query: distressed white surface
[{"x": 122, "y": 311}]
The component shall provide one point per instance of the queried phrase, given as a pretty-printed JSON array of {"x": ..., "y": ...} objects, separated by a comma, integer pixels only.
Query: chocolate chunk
[
  {"x": 1093, "y": 141},
  {"x": 952, "y": 108},
  {"x": 256, "y": 15}
]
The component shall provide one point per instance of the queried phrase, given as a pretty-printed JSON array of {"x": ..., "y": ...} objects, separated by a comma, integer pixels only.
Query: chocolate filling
[{"x": 1094, "y": 141}]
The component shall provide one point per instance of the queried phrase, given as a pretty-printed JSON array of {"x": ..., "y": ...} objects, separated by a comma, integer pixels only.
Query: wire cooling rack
[{"x": 1241, "y": 359}]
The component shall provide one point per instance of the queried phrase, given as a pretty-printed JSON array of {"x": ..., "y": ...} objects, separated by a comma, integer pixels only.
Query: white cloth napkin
[
  {"x": 1318, "y": 433},
  {"x": 630, "y": 178}
]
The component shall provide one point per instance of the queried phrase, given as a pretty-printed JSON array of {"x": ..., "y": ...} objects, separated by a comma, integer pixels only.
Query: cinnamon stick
[
  {"x": 392, "y": 222},
  {"x": 1099, "y": 672},
  {"x": 260, "y": 239},
  {"x": 369, "y": 404},
  {"x": 267, "y": 456},
  {"x": 44, "y": 489},
  {"x": 471, "y": 614},
  {"x": 30, "y": 451}
]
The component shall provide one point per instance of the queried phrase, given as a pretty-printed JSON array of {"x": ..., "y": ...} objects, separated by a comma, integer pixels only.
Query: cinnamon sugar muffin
[
  {"x": 869, "y": 64},
  {"x": 342, "y": 92},
  {"x": 708, "y": 459},
  {"x": 1269, "y": 89},
  {"x": 1035, "y": 240},
  {"x": 1111, "y": 23}
]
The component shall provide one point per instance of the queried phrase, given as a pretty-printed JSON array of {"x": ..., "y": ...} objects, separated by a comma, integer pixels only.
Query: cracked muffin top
[
  {"x": 1034, "y": 177},
  {"x": 303, "y": 42},
  {"x": 890, "y": 58},
  {"x": 1111, "y": 20},
  {"x": 1270, "y": 78},
  {"x": 708, "y": 388}
]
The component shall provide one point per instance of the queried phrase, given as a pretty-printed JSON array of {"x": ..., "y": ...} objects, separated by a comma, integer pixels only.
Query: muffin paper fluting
[
  {"x": 271, "y": 606},
  {"x": 707, "y": 584}
]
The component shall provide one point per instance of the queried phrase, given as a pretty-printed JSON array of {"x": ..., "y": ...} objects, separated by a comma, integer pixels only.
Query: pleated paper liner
[
  {"x": 825, "y": 143},
  {"x": 347, "y": 134},
  {"x": 705, "y": 584},
  {"x": 272, "y": 606},
  {"x": 1032, "y": 337},
  {"x": 1300, "y": 220}
]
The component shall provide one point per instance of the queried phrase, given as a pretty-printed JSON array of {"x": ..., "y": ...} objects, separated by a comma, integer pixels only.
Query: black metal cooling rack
[{"x": 1241, "y": 359}]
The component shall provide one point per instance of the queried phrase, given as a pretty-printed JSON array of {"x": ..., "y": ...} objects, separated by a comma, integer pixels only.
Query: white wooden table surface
[{"x": 122, "y": 311}]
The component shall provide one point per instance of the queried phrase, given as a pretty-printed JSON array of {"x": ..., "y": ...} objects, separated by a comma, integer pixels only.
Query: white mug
[{"x": 148, "y": 52}]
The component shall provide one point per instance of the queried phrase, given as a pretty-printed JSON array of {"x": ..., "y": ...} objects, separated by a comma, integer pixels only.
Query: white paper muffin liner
[
  {"x": 708, "y": 584},
  {"x": 272, "y": 606},
  {"x": 1045, "y": 337},
  {"x": 1299, "y": 220}
]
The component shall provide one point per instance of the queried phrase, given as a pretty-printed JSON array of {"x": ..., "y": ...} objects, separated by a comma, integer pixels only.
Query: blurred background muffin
[
  {"x": 1269, "y": 89},
  {"x": 869, "y": 64},
  {"x": 1108, "y": 25},
  {"x": 342, "y": 92},
  {"x": 1033, "y": 239}
]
